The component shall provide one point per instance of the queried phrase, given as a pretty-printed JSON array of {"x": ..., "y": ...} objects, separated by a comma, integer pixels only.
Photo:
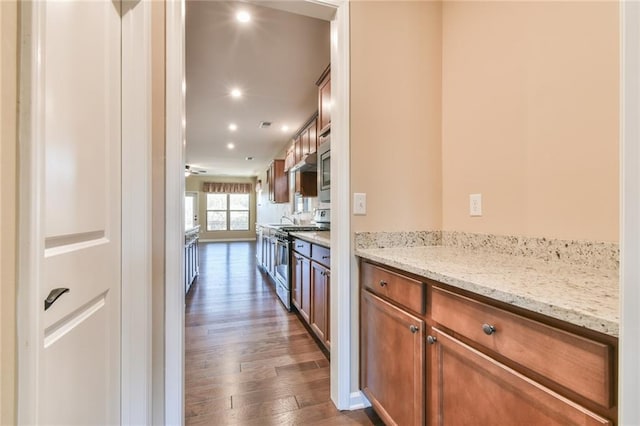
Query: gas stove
[{"x": 302, "y": 228}]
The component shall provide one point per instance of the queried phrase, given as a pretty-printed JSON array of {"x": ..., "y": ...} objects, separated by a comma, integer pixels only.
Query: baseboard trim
[{"x": 357, "y": 401}]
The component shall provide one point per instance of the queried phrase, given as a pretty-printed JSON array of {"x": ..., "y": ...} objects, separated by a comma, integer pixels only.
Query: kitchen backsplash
[
  {"x": 584, "y": 253},
  {"x": 365, "y": 240}
]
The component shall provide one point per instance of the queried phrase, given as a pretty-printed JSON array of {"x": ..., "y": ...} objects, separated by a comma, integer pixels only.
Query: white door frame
[
  {"x": 629, "y": 343},
  {"x": 136, "y": 360},
  {"x": 174, "y": 212},
  {"x": 341, "y": 314},
  {"x": 136, "y": 212}
]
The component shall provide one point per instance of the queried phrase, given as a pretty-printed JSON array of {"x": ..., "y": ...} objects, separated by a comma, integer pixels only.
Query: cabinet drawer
[
  {"x": 579, "y": 364},
  {"x": 398, "y": 288},
  {"x": 302, "y": 247},
  {"x": 321, "y": 255}
]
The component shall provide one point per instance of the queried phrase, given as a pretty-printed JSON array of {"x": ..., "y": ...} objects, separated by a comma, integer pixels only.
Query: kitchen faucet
[{"x": 293, "y": 222}]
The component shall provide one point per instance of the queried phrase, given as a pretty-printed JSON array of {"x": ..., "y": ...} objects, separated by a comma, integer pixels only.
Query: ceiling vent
[{"x": 264, "y": 124}]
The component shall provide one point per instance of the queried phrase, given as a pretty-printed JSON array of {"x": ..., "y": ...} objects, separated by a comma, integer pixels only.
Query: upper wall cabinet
[
  {"x": 324, "y": 101},
  {"x": 304, "y": 143},
  {"x": 278, "y": 182}
]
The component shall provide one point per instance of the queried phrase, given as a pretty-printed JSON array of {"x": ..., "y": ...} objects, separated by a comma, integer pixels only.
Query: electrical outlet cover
[{"x": 475, "y": 204}]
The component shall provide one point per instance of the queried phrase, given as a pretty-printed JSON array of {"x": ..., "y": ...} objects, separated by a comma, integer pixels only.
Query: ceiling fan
[{"x": 190, "y": 170}]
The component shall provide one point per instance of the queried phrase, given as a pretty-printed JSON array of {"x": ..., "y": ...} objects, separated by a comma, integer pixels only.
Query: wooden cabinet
[
  {"x": 297, "y": 149},
  {"x": 320, "y": 287},
  {"x": 404, "y": 291},
  {"x": 302, "y": 247},
  {"x": 486, "y": 362},
  {"x": 290, "y": 158},
  {"x": 579, "y": 364},
  {"x": 305, "y": 142},
  {"x": 324, "y": 101},
  {"x": 306, "y": 184},
  {"x": 301, "y": 284},
  {"x": 278, "y": 182},
  {"x": 311, "y": 286},
  {"x": 312, "y": 132},
  {"x": 392, "y": 360},
  {"x": 309, "y": 137},
  {"x": 471, "y": 388},
  {"x": 321, "y": 254}
]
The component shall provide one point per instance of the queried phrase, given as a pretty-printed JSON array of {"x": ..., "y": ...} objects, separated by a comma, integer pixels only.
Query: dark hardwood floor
[{"x": 248, "y": 361}]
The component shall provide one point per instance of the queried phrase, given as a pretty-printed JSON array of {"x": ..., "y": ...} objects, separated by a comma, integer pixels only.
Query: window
[{"x": 227, "y": 212}]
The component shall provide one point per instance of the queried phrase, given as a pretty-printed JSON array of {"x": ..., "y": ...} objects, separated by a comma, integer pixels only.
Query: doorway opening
[{"x": 341, "y": 364}]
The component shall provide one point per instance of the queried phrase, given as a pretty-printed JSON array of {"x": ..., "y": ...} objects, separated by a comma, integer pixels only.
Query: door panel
[
  {"x": 392, "y": 361},
  {"x": 60, "y": 407},
  {"x": 80, "y": 194},
  {"x": 471, "y": 388}
]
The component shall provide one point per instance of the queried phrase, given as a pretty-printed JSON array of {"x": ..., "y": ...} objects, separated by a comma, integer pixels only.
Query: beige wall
[
  {"x": 530, "y": 118},
  {"x": 395, "y": 114},
  {"x": 395, "y": 122},
  {"x": 194, "y": 184},
  {"x": 8, "y": 182}
]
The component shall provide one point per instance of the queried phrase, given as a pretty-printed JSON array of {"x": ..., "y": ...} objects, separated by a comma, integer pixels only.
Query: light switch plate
[
  {"x": 359, "y": 203},
  {"x": 475, "y": 204}
]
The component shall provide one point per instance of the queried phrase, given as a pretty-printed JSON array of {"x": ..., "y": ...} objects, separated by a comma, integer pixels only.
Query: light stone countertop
[
  {"x": 581, "y": 295},
  {"x": 322, "y": 238}
]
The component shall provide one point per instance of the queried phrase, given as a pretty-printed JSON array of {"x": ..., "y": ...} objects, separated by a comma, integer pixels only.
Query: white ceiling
[{"x": 275, "y": 59}]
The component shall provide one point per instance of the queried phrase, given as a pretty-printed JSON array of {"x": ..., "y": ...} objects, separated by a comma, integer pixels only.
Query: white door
[
  {"x": 76, "y": 131},
  {"x": 190, "y": 210}
]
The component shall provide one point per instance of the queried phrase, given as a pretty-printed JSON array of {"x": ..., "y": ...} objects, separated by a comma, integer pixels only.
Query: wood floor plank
[
  {"x": 282, "y": 360},
  {"x": 240, "y": 377},
  {"x": 210, "y": 406},
  {"x": 241, "y": 415},
  {"x": 247, "y": 360},
  {"x": 296, "y": 368}
]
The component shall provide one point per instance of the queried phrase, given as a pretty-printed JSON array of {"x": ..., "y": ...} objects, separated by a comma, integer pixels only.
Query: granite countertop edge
[
  {"x": 528, "y": 284},
  {"x": 322, "y": 238}
]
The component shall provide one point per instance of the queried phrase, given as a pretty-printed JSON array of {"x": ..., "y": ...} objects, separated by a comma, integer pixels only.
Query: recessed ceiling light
[
  {"x": 285, "y": 128},
  {"x": 243, "y": 16},
  {"x": 233, "y": 127},
  {"x": 230, "y": 145},
  {"x": 236, "y": 93}
]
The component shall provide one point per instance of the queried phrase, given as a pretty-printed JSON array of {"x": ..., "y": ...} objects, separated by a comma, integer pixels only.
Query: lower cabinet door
[
  {"x": 296, "y": 280},
  {"x": 392, "y": 361},
  {"x": 305, "y": 288},
  {"x": 320, "y": 302},
  {"x": 471, "y": 388}
]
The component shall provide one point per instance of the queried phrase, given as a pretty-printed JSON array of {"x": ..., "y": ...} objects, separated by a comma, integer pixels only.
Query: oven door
[{"x": 282, "y": 271}]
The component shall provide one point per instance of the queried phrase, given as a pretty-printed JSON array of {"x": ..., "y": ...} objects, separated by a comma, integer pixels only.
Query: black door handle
[{"x": 53, "y": 296}]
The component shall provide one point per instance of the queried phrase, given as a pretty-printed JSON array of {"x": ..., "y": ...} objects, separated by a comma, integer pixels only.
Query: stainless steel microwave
[{"x": 324, "y": 169}]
